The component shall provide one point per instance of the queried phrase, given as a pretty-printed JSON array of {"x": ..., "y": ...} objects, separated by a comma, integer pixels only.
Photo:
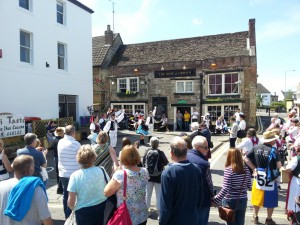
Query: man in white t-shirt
[
  {"x": 237, "y": 116},
  {"x": 67, "y": 149},
  {"x": 195, "y": 115}
]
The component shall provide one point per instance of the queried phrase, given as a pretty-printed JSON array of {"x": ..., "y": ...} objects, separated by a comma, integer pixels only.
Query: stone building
[{"x": 213, "y": 74}]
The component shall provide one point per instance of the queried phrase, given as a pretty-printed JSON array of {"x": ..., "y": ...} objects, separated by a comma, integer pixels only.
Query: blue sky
[{"x": 277, "y": 28}]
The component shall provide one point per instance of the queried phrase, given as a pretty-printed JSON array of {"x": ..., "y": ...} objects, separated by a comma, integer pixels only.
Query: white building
[
  {"x": 45, "y": 58},
  {"x": 265, "y": 95}
]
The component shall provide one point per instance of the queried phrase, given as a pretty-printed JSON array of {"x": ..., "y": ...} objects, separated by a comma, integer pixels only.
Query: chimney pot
[{"x": 109, "y": 36}]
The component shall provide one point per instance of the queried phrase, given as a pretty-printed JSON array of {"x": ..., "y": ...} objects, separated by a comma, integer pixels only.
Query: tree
[
  {"x": 289, "y": 94},
  {"x": 258, "y": 100}
]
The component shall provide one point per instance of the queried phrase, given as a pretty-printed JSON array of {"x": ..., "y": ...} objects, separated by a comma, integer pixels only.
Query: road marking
[{"x": 218, "y": 154}]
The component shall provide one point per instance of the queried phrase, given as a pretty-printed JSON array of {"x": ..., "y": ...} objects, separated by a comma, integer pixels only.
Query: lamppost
[{"x": 285, "y": 81}]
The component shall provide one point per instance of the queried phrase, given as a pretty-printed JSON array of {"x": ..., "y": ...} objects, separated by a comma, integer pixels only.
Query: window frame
[
  {"x": 184, "y": 86},
  {"x": 30, "y": 48},
  {"x": 229, "y": 112},
  {"x": 62, "y": 13},
  {"x": 65, "y": 57},
  {"x": 223, "y": 84},
  {"x": 130, "y": 107},
  {"x": 128, "y": 85},
  {"x": 29, "y": 3}
]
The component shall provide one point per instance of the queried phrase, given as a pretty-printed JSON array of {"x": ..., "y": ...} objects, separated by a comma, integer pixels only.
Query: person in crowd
[
  {"x": 195, "y": 130},
  {"x": 266, "y": 164},
  {"x": 67, "y": 149},
  {"x": 236, "y": 182},
  {"x": 111, "y": 127},
  {"x": 84, "y": 191},
  {"x": 197, "y": 155},
  {"x": 187, "y": 139},
  {"x": 242, "y": 126},
  {"x": 102, "y": 121},
  {"x": 137, "y": 179},
  {"x": 219, "y": 125},
  {"x": 277, "y": 119},
  {"x": 50, "y": 128},
  {"x": 204, "y": 131},
  {"x": 195, "y": 116},
  {"x": 292, "y": 133},
  {"x": 154, "y": 161},
  {"x": 94, "y": 126},
  {"x": 164, "y": 123},
  {"x": 181, "y": 188},
  {"x": 44, "y": 173},
  {"x": 32, "y": 209},
  {"x": 233, "y": 132},
  {"x": 186, "y": 119},
  {"x": 293, "y": 167},
  {"x": 206, "y": 119},
  {"x": 237, "y": 116},
  {"x": 39, "y": 157},
  {"x": 272, "y": 125},
  {"x": 142, "y": 129},
  {"x": 58, "y": 135},
  {"x": 5, "y": 165},
  {"x": 103, "y": 145},
  {"x": 224, "y": 130},
  {"x": 179, "y": 117},
  {"x": 150, "y": 121}
]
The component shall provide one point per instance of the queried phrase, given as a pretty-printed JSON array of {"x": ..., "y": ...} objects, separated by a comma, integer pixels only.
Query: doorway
[
  {"x": 183, "y": 126},
  {"x": 67, "y": 106}
]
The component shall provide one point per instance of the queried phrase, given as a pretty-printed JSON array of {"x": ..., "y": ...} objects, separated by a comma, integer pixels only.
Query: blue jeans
[
  {"x": 186, "y": 126},
  {"x": 92, "y": 215},
  {"x": 179, "y": 124},
  {"x": 203, "y": 215},
  {"x": 240, "y": 210},
  {"x": 65, "y": 182}
]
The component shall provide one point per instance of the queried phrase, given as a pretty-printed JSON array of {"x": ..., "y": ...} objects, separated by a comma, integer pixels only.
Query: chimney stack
[
  {"x": 109, "y": 36},
  {"x": 252, "y": 37}
]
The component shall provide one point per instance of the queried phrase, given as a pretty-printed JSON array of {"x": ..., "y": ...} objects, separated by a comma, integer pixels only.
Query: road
[{"x": 217, "y": 165}]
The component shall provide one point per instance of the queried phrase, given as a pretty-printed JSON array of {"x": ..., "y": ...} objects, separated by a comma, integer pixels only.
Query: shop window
[
  {"x": 214, "y": 112},
  {"x": 184, "y": 86}
]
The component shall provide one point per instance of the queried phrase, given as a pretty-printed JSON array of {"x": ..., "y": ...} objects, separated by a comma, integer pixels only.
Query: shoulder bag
[
  {"x": 110, "y": 205},
  {"x": 227, "y": 214},
  {"x": 121, "y": 215}
]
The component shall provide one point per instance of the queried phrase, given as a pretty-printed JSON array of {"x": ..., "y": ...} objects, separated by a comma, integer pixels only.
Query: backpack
[
  {"x": 272, "y": 171},
  {"x": 152, "y": 163}
]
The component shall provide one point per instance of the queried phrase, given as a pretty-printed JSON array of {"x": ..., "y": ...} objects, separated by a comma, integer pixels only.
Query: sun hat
[{"x": 268, "y": 136}]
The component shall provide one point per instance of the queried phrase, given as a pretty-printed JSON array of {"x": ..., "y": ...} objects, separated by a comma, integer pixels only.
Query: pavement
[{"x": 55, "y": 200}]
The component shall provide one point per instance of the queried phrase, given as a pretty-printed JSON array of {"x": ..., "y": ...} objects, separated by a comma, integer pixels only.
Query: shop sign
[
  {"x": 175, "y": 73},
  {"x": 12, "y": 125},
  {"x": 182, "y": 101}
]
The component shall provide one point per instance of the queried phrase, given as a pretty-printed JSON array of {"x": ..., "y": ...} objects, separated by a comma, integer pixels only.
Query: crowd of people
[{"x": 184, "y": 188}]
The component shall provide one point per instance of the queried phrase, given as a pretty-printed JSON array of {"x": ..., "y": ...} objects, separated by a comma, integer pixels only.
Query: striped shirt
[
  {"x": 67, "y": 149},
  {"x": 232, "y": 185}
]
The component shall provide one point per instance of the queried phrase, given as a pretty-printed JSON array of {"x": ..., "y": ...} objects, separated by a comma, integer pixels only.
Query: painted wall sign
[
  {"x": 175, "y": 73},
  {"x": 182, "y": 101},
  {"x": 12, "y": 125}
]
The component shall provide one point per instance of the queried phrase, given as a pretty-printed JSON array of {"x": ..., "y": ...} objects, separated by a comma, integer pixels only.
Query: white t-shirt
[
  {"x": 195, "y": 115},
  {"x": 237, "y": 116},
  {"x": 242, "y": 125},
  {"x": 247, "y": 146}
]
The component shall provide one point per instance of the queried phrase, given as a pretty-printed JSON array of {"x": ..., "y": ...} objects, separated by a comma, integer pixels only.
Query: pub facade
[{"x": 211, "y": 74}]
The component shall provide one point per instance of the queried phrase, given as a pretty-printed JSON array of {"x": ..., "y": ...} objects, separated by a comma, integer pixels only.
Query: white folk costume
[
  {"x": 150, "y": 121},
  {"x": 111, "y": 127}
]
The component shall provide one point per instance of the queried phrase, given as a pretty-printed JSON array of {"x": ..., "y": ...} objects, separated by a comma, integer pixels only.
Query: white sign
[
  {"x": 266, "y": 100},
  {"x": 262, "y": 183},
  {"x": 12, "y": 125}
]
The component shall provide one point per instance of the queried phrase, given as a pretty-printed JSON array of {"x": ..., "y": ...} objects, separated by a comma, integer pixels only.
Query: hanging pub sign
[
  {"x": 12, "y": 125},
  {"x": 182, "y": 101},
  {"x": 175, "y": 73}
]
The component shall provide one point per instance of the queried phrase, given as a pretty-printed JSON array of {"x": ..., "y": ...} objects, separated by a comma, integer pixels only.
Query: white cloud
[{"x": 196, "y": 21}]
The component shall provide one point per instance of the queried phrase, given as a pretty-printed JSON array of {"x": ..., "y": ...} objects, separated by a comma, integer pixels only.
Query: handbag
[
  {"x": 110, "y": 205},
  {"x": 71, "y": 219},
  {"x": 121, "y": 215},
  {"x": 227, "y": 214}
]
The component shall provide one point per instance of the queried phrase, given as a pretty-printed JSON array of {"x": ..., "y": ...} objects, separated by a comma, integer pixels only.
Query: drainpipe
[{"x": 201, "y": 88}]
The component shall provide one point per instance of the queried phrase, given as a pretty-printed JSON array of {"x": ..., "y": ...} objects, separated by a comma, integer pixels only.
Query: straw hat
[{"x": 269, "y": 136}]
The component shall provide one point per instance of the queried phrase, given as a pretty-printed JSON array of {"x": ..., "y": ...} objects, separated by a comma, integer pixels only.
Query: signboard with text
[
  {"x": 12, "y": 125},
  {"x": 175, "y": 73}
]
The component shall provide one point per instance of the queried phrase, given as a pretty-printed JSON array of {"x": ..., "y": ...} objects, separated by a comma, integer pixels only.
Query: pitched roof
[
  {"x": 261, "y": 88},
  {"x": 99, "y": 50},
  {"x": 187, "y": 49},
  {"x": 80, "y": 5}
]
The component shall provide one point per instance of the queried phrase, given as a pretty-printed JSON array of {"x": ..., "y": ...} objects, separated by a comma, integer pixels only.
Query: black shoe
[{"x": 59, "y": 191}]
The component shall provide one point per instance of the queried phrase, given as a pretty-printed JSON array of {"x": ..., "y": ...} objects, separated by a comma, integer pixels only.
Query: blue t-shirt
[
  {"x": 38, "y": 157},
  {"x": 88, "y": 184}
]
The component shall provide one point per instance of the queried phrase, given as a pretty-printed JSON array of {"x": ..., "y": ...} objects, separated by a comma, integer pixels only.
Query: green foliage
[
  {"x": 258, "y": 100},
  {"x": 280, "y": 104},
  {"x": 289, "y": 94}
]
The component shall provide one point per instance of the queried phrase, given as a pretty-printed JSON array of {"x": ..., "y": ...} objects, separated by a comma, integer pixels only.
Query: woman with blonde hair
[
  {"x": 103, "y": 145},
  {"x": 86, "y": 189},
  {"x": 5, "y": 165},
  {"x": 137, "y": 179},
  {"x": 236, "y": 182}
]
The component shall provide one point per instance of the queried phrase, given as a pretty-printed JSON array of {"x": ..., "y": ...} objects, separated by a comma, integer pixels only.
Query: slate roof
[
  {"x": 261, "y": 89},
  {"x": 99, "y": 50},
  {"x": 187, "y": 49}
]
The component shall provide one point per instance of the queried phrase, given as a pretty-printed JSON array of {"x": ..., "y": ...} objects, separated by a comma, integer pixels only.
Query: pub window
[
  {"x": 25, "y": 47},
  {"x": 223, "y": 83},
  {"x": 184, "y": 86},
  {"x": 129, "y": 84}
]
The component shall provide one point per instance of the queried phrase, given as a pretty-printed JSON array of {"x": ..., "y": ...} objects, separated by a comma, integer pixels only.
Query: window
[
  {"x": 128, "y": 84},
  {"x": 25, "y": 4},
  {"x": 130, "y": 108},
  {"x": 229, "y": 111},
  {"x": 60, "y": 12},
  {"x": 216, "y": 111},
  {"x": 184, "y": 86},
  {"x": 223, "y": 83},
  {"x": 25, "y": 47},
  {"x": 62, "y": 56}
]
